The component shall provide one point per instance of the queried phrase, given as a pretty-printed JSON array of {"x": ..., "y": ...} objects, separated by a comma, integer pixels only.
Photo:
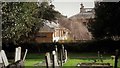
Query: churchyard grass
[
  {"x": 73, "y": 59},
  {"x": 32, "y": 59}
]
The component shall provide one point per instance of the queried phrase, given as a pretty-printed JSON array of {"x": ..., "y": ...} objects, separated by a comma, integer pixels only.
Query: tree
[
  {"x": 106, "y": 24},
  {"x": 47, "y": 12},
  {"x": 21, "y": 20}
]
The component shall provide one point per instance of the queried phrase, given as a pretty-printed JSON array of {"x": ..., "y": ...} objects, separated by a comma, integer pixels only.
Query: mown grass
[
  {"x": 32, "y": 59},
  {"x": 73, "y": 59}
]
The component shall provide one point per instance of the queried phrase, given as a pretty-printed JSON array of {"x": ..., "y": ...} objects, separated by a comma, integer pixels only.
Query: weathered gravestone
[
  {"x": 25, "y": 54},
  {"x": 58, "y": 58},
  {"x": 18, "y": 62},
  {"x": 48, "y": 60},
  {"x": 55, "y": 63},
  {"x": 4, "y": 58},
  {"x": 61, "y": 57},
  {"x": 18, "y": 54},
  {"x": 1, "y": 62},
  {"x": 65, "y": 56}
]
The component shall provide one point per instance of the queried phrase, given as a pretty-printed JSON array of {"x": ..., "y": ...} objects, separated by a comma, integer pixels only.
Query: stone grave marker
[
  {"x": 66, "y": 56},
  {"x": 98, "y": 55},
  {"x": 4, "y": 58},
  {"x": 1, "y": 59},
  {"x": 48, "y": 60},
  {"x": 1, "y": 62},
  {"x": 18, "y": 54},
  {"x": 25, "y": 54},
  {"x": 55, "y": 63},
  {"x": 61, "y": 57}
]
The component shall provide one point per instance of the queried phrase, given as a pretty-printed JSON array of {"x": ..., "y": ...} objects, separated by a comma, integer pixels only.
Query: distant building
[
  {"x": 83, "y": 18},
  {"x": 85, "y": 15},
  {"x": 51, "y": 32}
]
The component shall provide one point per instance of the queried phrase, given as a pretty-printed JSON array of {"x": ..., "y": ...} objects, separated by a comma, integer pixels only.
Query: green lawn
[
  {"x": 32, "y": 59},
  {"x": 73, "y": 59}
]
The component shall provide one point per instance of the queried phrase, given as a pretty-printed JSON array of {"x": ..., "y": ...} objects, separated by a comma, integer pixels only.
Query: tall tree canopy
[
  {"x": 20, "y": 20},
  {"x": 107, "y": 23}
]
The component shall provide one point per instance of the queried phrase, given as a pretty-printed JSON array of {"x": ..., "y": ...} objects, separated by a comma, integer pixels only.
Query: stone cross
[{"x": 4, "y": 58}]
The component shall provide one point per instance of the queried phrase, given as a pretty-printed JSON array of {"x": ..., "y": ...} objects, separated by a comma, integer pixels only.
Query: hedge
[{"x": 86, "y": 46}]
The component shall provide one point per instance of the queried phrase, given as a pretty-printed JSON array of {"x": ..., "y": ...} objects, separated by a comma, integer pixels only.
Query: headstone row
[
  {"x": 19, "y": 63},
  {"x": 56, "y": 58}
]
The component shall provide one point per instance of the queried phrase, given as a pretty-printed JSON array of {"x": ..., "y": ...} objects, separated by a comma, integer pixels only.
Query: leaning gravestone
[
  {"x": 25, "y": 54},
  {"x": 1, "y": 62},
  {"x": 18, "y": 62},
  {"x": 4, "y": 58}
]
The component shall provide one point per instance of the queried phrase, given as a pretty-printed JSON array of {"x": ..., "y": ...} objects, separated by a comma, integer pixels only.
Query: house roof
[{"x": 48, "y": 26}]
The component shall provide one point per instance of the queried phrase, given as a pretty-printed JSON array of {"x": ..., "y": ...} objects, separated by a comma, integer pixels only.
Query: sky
[{"x": 71, "y": 7}]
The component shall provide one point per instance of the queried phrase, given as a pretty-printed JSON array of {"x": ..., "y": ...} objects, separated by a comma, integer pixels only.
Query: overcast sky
[{"x": 71, "y": 7}]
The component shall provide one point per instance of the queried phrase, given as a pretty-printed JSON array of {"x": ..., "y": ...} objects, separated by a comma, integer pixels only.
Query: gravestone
[
  {"x": 1, "y": 62},
  {"x": 1, "y": 59},
  {"x": 56, "y": 50},
  {"x": 55, "y": 63},
  {"x": 65, "y": 56},
  {"x": 63, "y": 53},
  {"x": 18, "y": 54},
  {"x": 4, "y": 58},
  {"x": 25, "y": 54},
  {"x": 98, "y": 55},
  {"x": 61, "y": 57},
  {"x": 48, "y": 60}
]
